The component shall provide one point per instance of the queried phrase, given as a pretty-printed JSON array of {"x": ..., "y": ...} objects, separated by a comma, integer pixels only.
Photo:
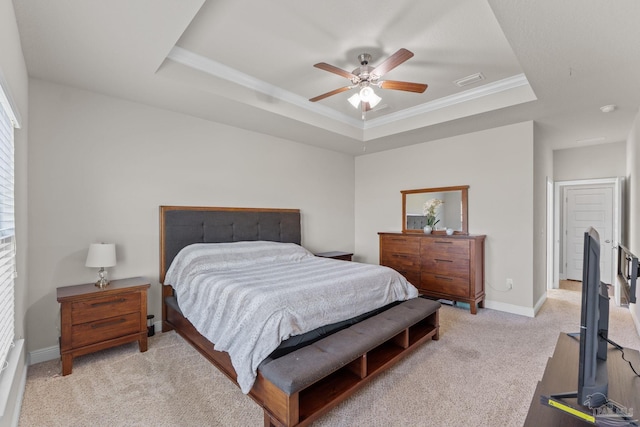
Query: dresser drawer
[
  {"x": 105, "y": 329},
  {"x": 413, "y": 276},
  {"x": 399, "y": 245},
  {"x": 102, "y": 308},
  {"x": 447, "y": 267},
  {"x": 407, "y": 265},
  {"x": 442, "y": 284},
  {"x": 445, "y": 248},
  {"x": 401, "y": 261}
]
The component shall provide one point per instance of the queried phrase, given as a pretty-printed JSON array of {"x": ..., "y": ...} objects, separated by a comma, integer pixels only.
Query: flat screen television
[{"x": 594, "y": 325}]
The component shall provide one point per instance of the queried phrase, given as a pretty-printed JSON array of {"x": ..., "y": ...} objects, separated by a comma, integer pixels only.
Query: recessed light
[
  {"x": 473, "y": 78},
  {"x": 608, "y": 108}
]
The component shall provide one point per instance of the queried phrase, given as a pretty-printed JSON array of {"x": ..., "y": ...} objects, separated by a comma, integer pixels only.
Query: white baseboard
[
  {"x": 539, "y": 304},
  {"x": 43, "y": 355},
  {"x": 512, "y": 308}
]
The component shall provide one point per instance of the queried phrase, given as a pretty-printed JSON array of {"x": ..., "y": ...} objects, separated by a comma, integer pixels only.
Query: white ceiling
[{"x": 250, "y": 63}]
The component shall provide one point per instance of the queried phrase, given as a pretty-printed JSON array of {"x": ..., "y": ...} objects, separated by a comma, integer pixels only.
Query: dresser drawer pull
[
  {"x": 115, "y": 301},
  {"x": 444, "y": 242},
  {"x": 400, "y": 256},
  {"x": 444, "y": 278},
  {"x": 443, "y": 260},
  {"x": 110, "y": 323}
]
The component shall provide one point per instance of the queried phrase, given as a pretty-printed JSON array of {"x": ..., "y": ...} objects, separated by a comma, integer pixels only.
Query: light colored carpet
[{"x": 482, "y": 372}]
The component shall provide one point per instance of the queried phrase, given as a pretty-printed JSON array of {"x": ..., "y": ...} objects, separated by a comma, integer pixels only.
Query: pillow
[{"x": 200, "y": 257}]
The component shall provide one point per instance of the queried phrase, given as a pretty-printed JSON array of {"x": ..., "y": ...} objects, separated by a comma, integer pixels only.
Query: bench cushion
[{"x": 303, "y": 367}]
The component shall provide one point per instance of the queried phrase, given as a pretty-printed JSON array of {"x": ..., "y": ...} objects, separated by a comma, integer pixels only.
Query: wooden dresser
[{"x": 440, "y": 266}]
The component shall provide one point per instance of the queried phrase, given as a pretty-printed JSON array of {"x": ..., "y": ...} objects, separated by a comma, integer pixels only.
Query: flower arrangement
[{"x": 429, "y": 210}]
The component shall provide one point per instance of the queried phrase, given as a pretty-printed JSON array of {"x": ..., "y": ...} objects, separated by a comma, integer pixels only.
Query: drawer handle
[
  {"x": 400, "y": 256},
  {"x": 444, "y": 242},
  {"x": 115, "y": 301},
  {"x": 444, "y": 278},
  {"x": 110, "y": 323},
  {"x": 443, "y": 260}
]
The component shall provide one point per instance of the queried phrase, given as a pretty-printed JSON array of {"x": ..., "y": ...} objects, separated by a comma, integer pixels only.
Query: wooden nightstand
[
  {"x": 345, "y": 256},
  {"x": 93, "y": 319}
]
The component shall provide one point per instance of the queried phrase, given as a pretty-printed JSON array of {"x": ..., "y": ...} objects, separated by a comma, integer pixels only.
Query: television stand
[{"x": 561, "y": 374}]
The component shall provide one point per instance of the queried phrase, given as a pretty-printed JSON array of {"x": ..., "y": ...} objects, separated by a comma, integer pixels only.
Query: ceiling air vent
[{"x": 465, "y": 81}]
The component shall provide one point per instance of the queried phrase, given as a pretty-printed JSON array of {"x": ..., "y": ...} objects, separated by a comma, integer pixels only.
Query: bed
[{"x": 302, "y": 382}]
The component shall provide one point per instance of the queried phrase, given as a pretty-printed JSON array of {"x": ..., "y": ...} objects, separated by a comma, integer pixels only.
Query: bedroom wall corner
[
  {"x": 497, "y": 164},
  {"x": 543, "y": 169}
]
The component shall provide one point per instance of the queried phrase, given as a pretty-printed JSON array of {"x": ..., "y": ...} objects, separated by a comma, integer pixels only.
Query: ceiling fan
[{"x": 366, "y": 76}]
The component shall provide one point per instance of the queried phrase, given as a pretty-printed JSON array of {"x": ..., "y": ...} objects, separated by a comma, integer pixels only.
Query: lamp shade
[{"x": 101, "y": 255}]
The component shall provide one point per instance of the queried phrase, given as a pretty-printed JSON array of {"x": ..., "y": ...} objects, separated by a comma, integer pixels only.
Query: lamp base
[{"x": 102, "y": 283}]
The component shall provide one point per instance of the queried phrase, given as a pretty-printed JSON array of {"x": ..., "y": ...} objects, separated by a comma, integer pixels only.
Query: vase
[
  {"x": 449, "y": 231},
  {"x": 427, "y": 229}
]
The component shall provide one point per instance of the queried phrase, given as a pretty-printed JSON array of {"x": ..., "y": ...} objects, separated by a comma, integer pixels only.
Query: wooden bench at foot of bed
[
  {"x": 315, "y": 378},
  {"x": 297, "y": 388}
]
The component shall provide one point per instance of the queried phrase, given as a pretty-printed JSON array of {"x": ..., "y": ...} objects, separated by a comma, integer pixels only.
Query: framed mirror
[{"x": 448, "y": 206}]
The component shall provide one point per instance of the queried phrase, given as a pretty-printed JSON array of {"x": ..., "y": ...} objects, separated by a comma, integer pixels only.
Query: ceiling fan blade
[
  {"x": 335, "y": 70},
  {"x": 392, "y": 62},
  {"x": 406, "y": 86},
  {"x": 328, "y": 94}
]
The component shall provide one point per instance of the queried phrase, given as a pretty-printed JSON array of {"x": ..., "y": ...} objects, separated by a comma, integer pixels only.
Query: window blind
[{"x": 7, "y": 234}]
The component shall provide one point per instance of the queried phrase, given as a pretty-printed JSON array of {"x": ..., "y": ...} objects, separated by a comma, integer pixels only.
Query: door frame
[{"x": 559, "y": 188}]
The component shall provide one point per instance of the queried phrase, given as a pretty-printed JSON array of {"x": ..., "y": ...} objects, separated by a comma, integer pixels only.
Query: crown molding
[
  {"x": 217, "y": 69},
  {"x": 222, "y": 71}
]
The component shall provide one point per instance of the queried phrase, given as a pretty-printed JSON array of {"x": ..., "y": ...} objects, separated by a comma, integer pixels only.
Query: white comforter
[{"x": 248, "y": 297}]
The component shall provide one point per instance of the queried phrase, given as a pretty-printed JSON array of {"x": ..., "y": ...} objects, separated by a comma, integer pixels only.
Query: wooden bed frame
[{"x": 280, "y": 409}]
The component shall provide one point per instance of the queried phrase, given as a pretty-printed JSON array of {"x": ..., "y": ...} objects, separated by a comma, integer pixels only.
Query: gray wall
[
  {"x": 632, "y": 237},
  {"x": 543, "y": 170},
  {"x": 501, "y": 198},
  {"x": 99, "y": 167},
  {"x": 590, "y": 162},
  {"x": 14, "y": 71}
]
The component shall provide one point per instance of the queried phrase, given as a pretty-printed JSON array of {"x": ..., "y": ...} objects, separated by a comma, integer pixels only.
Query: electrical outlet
[{"x": 509, "y": 283}]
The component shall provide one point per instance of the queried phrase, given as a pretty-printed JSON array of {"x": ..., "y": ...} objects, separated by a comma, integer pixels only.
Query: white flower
[{"x": 429, "y": 210}]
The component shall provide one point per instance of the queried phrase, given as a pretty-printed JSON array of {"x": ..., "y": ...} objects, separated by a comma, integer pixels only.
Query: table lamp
[{"x": 101, "y": 255}]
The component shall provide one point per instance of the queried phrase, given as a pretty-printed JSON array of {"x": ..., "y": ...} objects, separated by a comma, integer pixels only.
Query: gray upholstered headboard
[{"x": 183, "y": 225}]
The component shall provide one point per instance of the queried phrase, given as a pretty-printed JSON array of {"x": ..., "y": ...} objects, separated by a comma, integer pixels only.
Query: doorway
[{"x": 578, "y": 205}]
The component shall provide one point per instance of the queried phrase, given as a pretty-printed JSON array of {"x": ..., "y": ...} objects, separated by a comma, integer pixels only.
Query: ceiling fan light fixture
[
  {"x": 366, "y": 76},
  {"x": 374, "y": 100},
  {"x": 367, "y": 94},
  {"x": 355, "y": 100}
]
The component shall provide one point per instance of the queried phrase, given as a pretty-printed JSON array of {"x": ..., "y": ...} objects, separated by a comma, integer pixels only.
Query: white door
[{"x": 588, "y": 207}]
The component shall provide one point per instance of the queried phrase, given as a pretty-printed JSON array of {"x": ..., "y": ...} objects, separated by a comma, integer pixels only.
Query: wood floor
[
  {"x": 571, "y": 285},
  {"x": 576, "y": 285}
]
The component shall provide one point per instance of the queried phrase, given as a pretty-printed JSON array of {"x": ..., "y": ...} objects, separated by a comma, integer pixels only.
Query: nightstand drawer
[
  {"x": 101, "y": 308},
  {"x": 105, "y": 329}
]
